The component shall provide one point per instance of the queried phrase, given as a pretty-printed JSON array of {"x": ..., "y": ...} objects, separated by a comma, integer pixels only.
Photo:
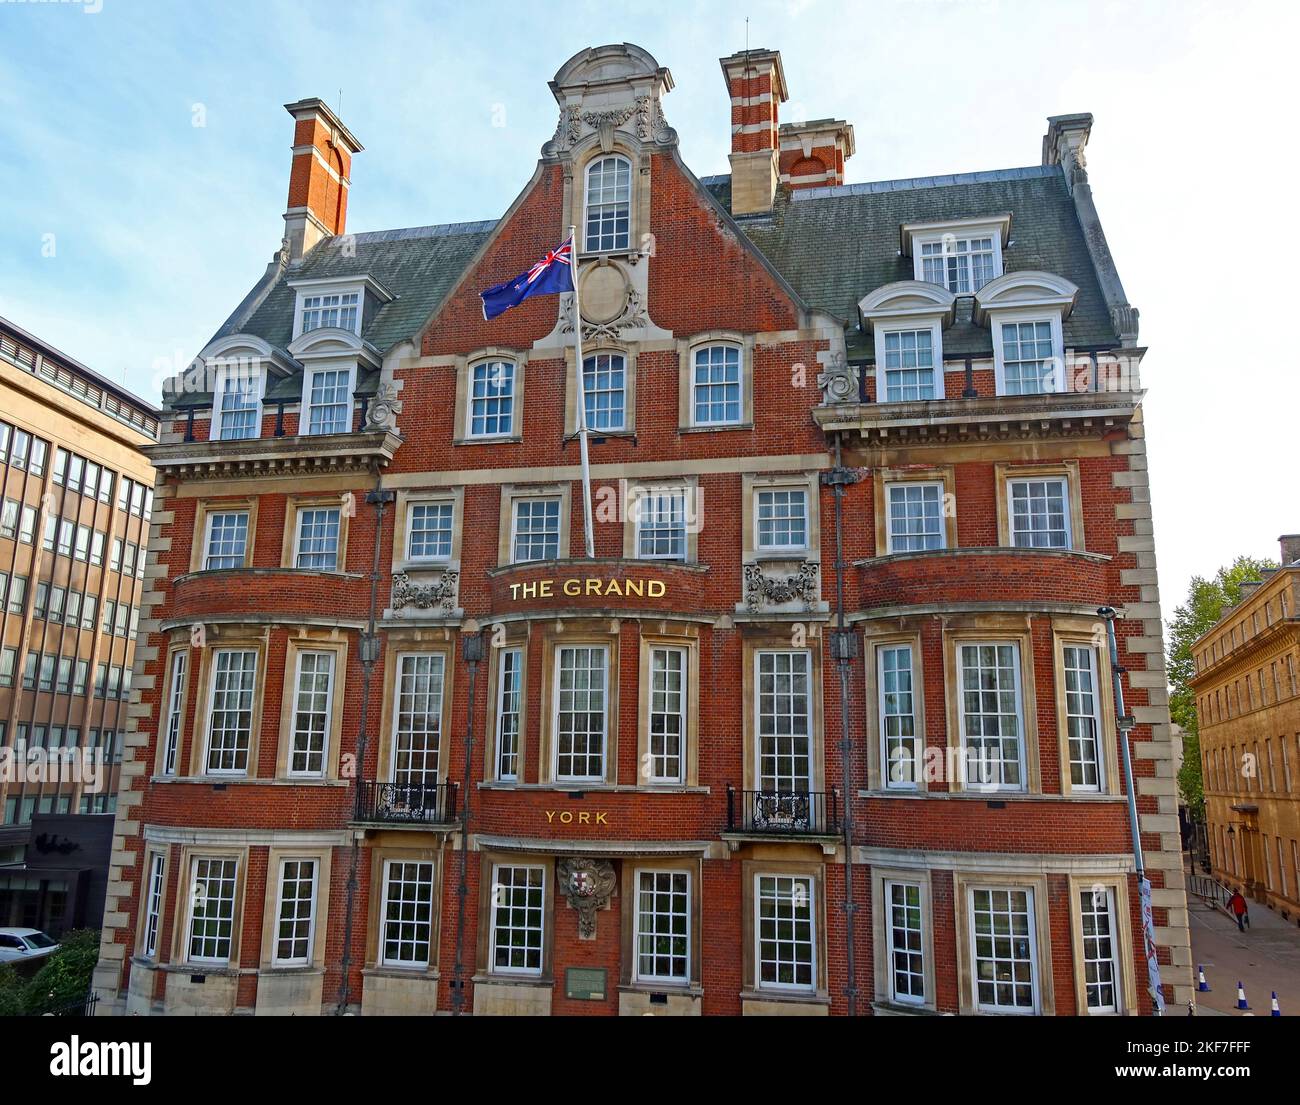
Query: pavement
[{"x": 1264, "y": 958}]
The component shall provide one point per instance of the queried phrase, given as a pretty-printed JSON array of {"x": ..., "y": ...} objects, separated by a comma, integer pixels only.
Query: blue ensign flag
[{"x": 550, "y": 276}]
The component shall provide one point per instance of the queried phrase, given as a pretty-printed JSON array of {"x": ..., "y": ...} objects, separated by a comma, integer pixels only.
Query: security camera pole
[{"x": 1124, "y": 723}]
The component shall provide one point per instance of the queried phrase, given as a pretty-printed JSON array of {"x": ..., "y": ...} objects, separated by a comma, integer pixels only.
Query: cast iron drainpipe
[
  {"x": 844, "y": 648},
  {"x": 472, "y": 650},
  {"x": 377, "y": 498}
]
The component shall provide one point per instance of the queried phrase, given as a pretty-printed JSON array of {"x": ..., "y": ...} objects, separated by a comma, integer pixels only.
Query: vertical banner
[{"x": 1149, "y": 947}]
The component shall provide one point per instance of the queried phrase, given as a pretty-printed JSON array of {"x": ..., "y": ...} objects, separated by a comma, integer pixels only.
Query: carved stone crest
[
  {"x": 587, "y": 884},
  {"x": 761, "y": 588},
  {"x": 440, "y": 592},
  {"x": 383, "y": 409},
  {"x": 605, "y": 123},
  {"x": 837, "y": 381}
]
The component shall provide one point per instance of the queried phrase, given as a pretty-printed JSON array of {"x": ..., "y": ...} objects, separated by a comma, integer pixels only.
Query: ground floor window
[
  {"x": 663, "y": 926},
  {"x": 906, "y": 954},
  {"x": 518, "y": 917},
  {"x": 1003, "y": 949},
  {"x": 212, "y": 909},
  {"x": 1100, "y": 971},
  {"x": 407, "y": 914},
  {"x": 785, "y": 935}
]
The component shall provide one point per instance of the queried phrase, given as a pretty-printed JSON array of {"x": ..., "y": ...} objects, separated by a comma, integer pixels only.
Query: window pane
[
  {"x": 608, "y": 203},
  {"x": 784, "y": 722},
  {"x": 1001, "y": 934},
  {"x": 663, "y": 925},
  {"x": 782, "y": 519},
  {"x": 906, "y": 951},
  {"x": 909, "y": 366},
  {"x": 603, "y": 382},
  {"x": 407, "y": 914},
  {"x": 231, "y": 721},
  {"x": 901, "y": 748},
  {"x": 329, "y": 404},
  {"x": 227, "y": 540},
  {"x": 429, "y": 531},
  {"x": 518, "y": 900},
  {"x": 915, "y": 517},
  {"x": 785, "y": 934},
  {"x": 418, "y": 719},
  {"x": 715, "y": 386},
  {"x": 492, "y": 399},
  {"x": 1038, "y": 514},
  {"x": 318, "y": 538},
  {"x": 537, "y": 530},
  {"x": 661, "y": 524},
  {"x": 990, "y": 688},
  {"x": 580, "y": 713},
  {"x": 667, "y": 726}
]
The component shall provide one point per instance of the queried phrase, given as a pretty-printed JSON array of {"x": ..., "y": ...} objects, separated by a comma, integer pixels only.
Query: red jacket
[{"x": 1237, "y": 904}]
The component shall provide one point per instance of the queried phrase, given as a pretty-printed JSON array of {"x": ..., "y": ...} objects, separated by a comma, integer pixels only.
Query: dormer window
[
  {"x": 1025, "y": 311},
  {"x": 608, "y": 203},
  {"x": 907, "y": 319},
  {"x": 238, "y": 413},
  {"x": 337, "y": 309},
  {"x": 328, "y": 401},
  {"x": 961, "y": 255},
  {"x": 1028, "y": 356}
]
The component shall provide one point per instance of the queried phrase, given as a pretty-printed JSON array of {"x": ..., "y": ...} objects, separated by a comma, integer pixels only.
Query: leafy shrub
[{"x": 65, "y": 977}]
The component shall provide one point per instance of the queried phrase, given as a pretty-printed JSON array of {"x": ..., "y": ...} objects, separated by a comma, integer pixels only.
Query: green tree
[
  {"x": 64, "y": 979},
  {"x": 1207, "y": 599}
]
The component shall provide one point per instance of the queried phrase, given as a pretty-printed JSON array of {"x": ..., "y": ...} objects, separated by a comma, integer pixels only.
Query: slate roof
[{"x": 833, "y": 245}]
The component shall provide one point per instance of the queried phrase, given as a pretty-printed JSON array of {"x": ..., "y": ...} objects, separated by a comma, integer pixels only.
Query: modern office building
[
  {"x": 74, "y": 527},
  {"x": 867, "y": 459}
]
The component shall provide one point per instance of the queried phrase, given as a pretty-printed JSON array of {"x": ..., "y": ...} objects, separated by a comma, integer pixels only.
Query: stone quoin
[{"x": 879, "y": 457}]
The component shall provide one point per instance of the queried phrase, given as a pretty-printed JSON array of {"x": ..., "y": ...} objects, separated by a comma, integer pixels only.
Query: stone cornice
[
  {"x": 322, "y": 454},
  {"x": 1274, "y": 639}
]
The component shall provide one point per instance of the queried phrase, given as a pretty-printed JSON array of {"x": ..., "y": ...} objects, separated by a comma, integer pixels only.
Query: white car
[{"x": 24, "y": 945}]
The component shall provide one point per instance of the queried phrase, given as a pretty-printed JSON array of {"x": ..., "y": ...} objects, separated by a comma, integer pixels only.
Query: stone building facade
[{"x": 866, "y": 461}]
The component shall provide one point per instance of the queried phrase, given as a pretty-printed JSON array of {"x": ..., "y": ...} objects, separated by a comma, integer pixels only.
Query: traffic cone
[
  {"x": 1277, "y": 1009},
  {"x": 1202, "y": 986},
  {"x": 1241, "y": 996}
]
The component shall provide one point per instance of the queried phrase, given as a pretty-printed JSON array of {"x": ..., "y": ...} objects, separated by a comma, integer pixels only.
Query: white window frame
[
  {"x": 809, "y": 718},
  {"x": 1116, "y": 950},
  {"x": 767, "y": 489},
  {"x": 318, "y": 291},
  {"x": 300, "y": 515},
  {"x": 512, "y": 395},
  {"x": 785, "y": 987},
  {"x": 516, "y": 665},
  {"x": 695, "y": 384},
  {"x": 515, "y": 502},
  {"x": 153, "y": 904},
  {"x": 219, "y": 404},
  {"x": 309, "y": 408},
  {"x": 295, "y": 735},
  {"x": 891, "y": 949},
  {"x": 493, "y": 904},
  {"x": 450, "y": 505},
  {"x": 903, "y": 485},
  {"x": 384, "y": 920},
  {"x": 962, "y": 233},
  {"x": 1058, "y": 347},
  {"x": 1099, "y": 747},
  {"x": 888, "y": 782},
  {"x": 684, "y": 657},
  {"x": 426, "y": 777},
  {"x": 175, "y": 697},
  {"x": 637, "y": 974},
  {"x": 965, "y": 738},
  {"x": 604, "y": 652},
  {"x": 295, "y": 961},
  {"x": 652, "y": 494},
  {"x": 212, "y": 515},
  {"x": 1031, "y": 906},
  {"x": 599, "y": 160},
  {"x": 901, "y": 326},
  {"x": 1066, "y": 509},
  {"x": 208, "y": 769},
  {"x": 193, "y": 918},
  {"x": 589, "y": 393}
]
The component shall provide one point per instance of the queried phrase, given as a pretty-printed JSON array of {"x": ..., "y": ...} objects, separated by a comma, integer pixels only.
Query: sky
[{"x": 144, "y": 161}]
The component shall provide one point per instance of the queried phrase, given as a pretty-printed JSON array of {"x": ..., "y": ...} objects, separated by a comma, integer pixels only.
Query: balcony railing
[
  {"x": 403, "y": 804},
  {"x": 783, "y": 813}
]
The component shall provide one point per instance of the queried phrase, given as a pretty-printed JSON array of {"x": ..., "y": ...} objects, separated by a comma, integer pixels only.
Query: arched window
[
  {"x": 608, "y": 200},
  {"x": 604, "y": 383}
]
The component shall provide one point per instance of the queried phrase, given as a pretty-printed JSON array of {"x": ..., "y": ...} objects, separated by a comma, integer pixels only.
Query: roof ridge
[
  {"x": 435, "y": 230},
  {"x": 945, "y": 180}
]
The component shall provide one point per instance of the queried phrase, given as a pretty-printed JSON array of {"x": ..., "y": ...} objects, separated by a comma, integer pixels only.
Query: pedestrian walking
[{"x": 1239, "y": 910}]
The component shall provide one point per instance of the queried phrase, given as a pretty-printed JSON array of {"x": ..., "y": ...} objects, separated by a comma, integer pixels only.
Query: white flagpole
[{"x": 582, "y": 403}]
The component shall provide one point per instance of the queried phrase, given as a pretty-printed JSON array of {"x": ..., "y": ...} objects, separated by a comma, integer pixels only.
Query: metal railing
[
  {"x": 433, "y": 804},
  {"x": 788, "y": 813},
  {"x": 85, "y": 1007},
  {"x": 1210, "y": 890}
]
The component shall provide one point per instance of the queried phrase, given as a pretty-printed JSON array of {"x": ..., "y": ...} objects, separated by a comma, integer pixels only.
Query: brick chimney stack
[
  {"x": 319, "y": 176},
  {"x": 1289, "y": 545},
  {"x": 813, "y": 153},
  {"x": 756, "y": 84}
]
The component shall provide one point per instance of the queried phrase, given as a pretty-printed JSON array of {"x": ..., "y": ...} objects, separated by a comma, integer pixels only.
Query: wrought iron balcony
[
  {"x": 402, "y": 804},
  {"x": 783, "y": 813}
]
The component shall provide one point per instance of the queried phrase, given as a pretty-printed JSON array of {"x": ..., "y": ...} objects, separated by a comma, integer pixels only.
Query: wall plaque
[{"x": 584, "y": 983}]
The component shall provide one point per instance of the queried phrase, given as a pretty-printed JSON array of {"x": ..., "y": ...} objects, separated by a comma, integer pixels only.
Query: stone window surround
[
  {"x": 142, "y": 917},
  {"x": 993, "y": 629},
  {"x": 583, "y": 154},
  {"x": 203, "y": 508},
  {"x": 774, "y": 642},
  {"x": 512, "y": 493},
  {"x": 579, "y": 634},
  {"x": 882, "y": 478},
  {"x": 409, "y": 497},
  {"x": 1075, "y": 631},
  {"x": 966, "y": 881},
  {"x": 631, "y": 488},
  {"x": 1049, "y": 315},
  {"x": 293, "y": 506},
  {"x": 684, "y": 637},
  {"x": 304, "y": 405},
  {"x": 383, "y": 852},
  {"x": 180, "y": 642},
  {"x": 750, "y": 485},
  {"x": 401, "y": 643},
  {"x": 271, "y": 906},
  {"x": 630, "y": 893},
  {"x": 333, "y": 641},
  {"x": 750, "y": 870},
  {"x": 218, "y": 392},
  {"x": 488, "y": 862},
  {"x": 1004, "y": 473},
  {"x": 935, "y": 324},
  {"x": 907, "y": 632},
  {"x": 687, "y": 348},
  {"x": 464, "y": 364},
  {"x": 571, "y": 389},
  {"x": 231, "y": 638},
  {"x": 880, "y": 923},
  {"x": 181, "y": 906},
  {"x": 1126, "y": 984}
]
